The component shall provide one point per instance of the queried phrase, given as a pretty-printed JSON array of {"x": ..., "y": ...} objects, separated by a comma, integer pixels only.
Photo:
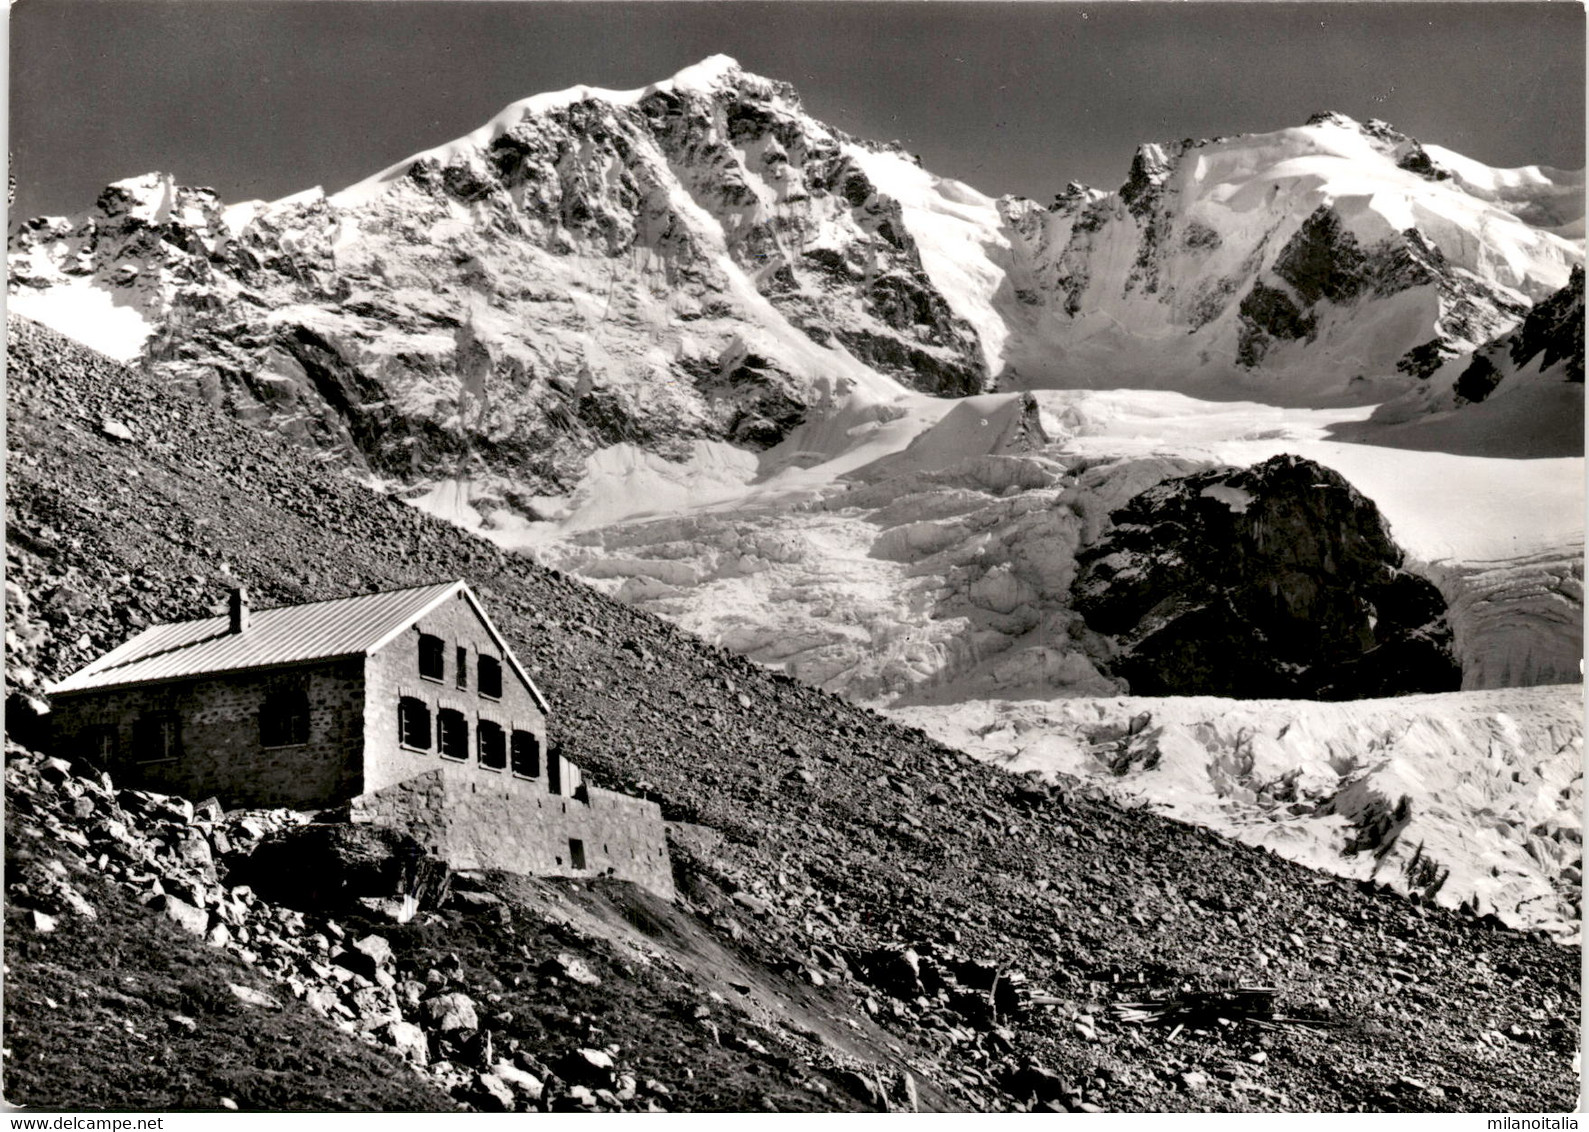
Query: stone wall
[
  {"x": 513, "y": 824},
  {"x": 220, "y": 752},
  {"x": 393, "y": 672}
]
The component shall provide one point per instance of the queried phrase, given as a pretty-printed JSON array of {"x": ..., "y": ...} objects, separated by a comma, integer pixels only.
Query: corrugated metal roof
[{"x": 291, "y": 634}]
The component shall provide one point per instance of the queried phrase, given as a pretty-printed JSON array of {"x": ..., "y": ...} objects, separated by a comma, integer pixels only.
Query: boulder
[
  {"x": 55, "y": 770},
  {"x": 492, "y": 1094},
  {"x": 375, "y": 1005},
  {"x": 1278, "y": 581},
  {"x": 1034, "y": 1082},
  {"x": 173, "y": 809},
  {"x": 576, "y": 1099},
  {"x": 251, "y": 997},
  {"x": 407, "y": 1039},
  {"x": 591, "y": 1067},
  {"x": 572, "y": 968},
  {"x": 520, "y": 1081},
  {"x": 62, "y": 897},
  {"x": 331, "y": 866},
  {"x": 109, "y": 830},
  {"x": 446, "y": 1013},
  {"x": 751, "y": 904},
  {"x": 475, "y": 901},
  {"x": 409, "y": 992},
  {"x": 191, "y": 849},
  {"x": 183, "y": 914},
  {"x": 367, "y": 956},
  {"x": 864, "y": 1089},
  {"x": 894, "y": 970}
]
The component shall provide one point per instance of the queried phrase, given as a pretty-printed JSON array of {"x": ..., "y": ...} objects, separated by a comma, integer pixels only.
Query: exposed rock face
[
  {"x": 1552, "y": 333},
  {"x": 1277, "y": 581},
  {"x": 333, "y": 866},
  {"x": 1324, "y": 268},
  {"x": 1518, "y": 395},
  {"x": 697, "y": 260}
]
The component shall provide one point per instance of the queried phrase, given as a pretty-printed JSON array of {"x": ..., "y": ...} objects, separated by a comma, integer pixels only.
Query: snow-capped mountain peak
[
  {"x": 709, "y": 77},
  {"x": 1308, "y": 262},
  {"x": 700, "y": 259}
]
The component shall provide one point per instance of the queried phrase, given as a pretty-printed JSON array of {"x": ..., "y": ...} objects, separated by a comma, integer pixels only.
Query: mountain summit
[
  {"x": 1337, "y": 251},
  {"x": 700, "y": 260},
  {"x": 696, "y": 259}
]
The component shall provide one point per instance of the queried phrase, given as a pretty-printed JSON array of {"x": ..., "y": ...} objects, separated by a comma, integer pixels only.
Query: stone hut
[{"x": 407, "y": 707}]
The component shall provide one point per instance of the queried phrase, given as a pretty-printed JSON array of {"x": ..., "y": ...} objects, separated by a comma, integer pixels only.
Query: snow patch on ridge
[
  {"x": 960, "y": 235},
  {"x": 86, "y": 313}
]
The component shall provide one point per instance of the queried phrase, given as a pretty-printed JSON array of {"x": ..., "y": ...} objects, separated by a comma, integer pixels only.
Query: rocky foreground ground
[{"x": 886, "y": 921}]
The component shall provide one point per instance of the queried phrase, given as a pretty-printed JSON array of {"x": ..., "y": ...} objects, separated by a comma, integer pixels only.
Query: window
[
  {"x": 452, "y": 734},
  {"x": 432, "y": 657},
  {"x": 576, "y": 852},
  {"x": 157, "y": 738},
  {"x": 526, "y": 754},
  {"x": 463, "y": 667},
  {"x": 554, "y": 774},
  {"x": 493, "y": 745},
  {"x": 491, "y": 677},
  {"x": 413, "y": 723},
  {"x": 99, "y": 745},
  {"x": 284, "y": 719}
]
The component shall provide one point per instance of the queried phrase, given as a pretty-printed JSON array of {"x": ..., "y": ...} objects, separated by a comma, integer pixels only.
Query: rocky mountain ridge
[
  {"x": 1318, "y": 257},
  {"x": 701, "y": 260},
  {"x": 1519, "y": 394}
]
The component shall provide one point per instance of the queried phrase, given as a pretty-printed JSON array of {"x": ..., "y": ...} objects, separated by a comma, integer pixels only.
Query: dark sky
[{"x": 263, "y": 99}]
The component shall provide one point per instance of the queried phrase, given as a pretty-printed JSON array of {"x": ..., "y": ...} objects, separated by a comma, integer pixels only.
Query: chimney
[{"x": 238, "y": 606}]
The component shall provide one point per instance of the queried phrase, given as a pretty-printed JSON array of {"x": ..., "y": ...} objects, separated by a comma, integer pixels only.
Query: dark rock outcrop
[
  {"x": 1551, "y": 332},
  {"x": 1323, "y": 260},
  {"x": 1324, "y": 267},
  {"x": 1479, "y": 380},
  {"x": 1417, "y": 160},
  {"x": 1277, "y": 581},
  {"x": 1267, "y": 314},
  {"x": 1554, "y": 328},
  {"x": 328, "y": 865}
]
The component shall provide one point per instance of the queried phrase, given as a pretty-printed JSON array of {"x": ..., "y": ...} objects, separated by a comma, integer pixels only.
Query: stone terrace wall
[
  {"x": 220, "y": 749},
  {"x": 513, "y": 824}
]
